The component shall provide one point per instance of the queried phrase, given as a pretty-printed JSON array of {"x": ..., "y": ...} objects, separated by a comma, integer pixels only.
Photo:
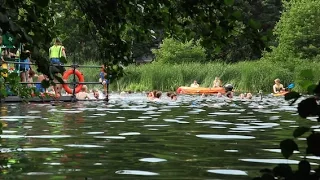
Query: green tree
[
  {"x": 175, "y": 52},
  {"x": 298, "y": 30}
]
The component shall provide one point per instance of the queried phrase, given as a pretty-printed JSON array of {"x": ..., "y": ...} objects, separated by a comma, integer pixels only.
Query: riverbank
[{"x": 246, "y": 76}]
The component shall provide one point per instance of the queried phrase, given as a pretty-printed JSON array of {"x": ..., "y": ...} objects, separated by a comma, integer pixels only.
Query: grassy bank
[{"x": 246, "y": 76}]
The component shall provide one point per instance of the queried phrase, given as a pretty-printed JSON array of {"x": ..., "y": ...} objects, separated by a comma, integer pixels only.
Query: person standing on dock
[{"x": 55, "y": 53}]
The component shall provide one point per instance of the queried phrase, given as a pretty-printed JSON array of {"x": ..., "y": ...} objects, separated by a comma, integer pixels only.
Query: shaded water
[{"x": 131, "y": 138}]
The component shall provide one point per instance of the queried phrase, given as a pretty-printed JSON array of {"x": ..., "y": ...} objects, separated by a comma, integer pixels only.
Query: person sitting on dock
[
  {"x": 31, "y": 75},
  {"x": 217, "y": 82},
  {"x": 82, "y": 95},
  {"x": 277, "y": 87},
  {"x": 194, "y": 84},
  {"x": 38, "y": 85},
  {"x": 55, "y": 53},
  {"x": 24, "y": 67}
]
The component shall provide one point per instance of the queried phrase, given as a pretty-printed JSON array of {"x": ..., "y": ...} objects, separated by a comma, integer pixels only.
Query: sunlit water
[{"x": 133, "y": 138}]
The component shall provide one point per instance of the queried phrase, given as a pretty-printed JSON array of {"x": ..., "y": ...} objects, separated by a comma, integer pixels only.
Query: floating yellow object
[{"x": 280, "y": 93}]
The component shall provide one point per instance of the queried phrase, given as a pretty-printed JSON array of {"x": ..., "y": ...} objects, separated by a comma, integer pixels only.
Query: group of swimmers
[{"x": 156, "y": 95}]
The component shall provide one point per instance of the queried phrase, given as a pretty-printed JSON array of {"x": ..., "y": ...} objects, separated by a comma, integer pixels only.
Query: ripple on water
[
  {"x": 156, "y": 125},
  {"x": 225, "y": 113},
  {"x": 213, "y": 122},
  {"x": 220, "y": 136},
  {"x": 231, "y": 150},
  {"x": 53, "y": 164},
  {"x": 49, "y": 136},
  {"x": 20, "y": 117},
  {"x": 145, "y": 117},
  {"x": 110, "y": 137},
  {"x": 228, "y": 172},
  {"x": 274, "y": 161},
  {"x": 136, "y": 119},
  {"x": 129, "y": 134},
  {"x": 83, "y": 145},
  {"x": 95, "y": 133},
  {"x": 41, "y": 149},
  {"x": 115, "y": 121},
  {"x": 11, "y": 136},
  {"x": 277, "y": 150},
  {"x": 176, "y": 121},
  {"x": 154, "y": 160},
  {"x": 137, "y": 172},
  {"x": 9, "y": 132},
  {"x": 38, "y": 173}
]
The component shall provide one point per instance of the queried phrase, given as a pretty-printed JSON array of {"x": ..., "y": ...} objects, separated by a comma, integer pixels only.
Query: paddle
[{"x": 291, "y": 86}]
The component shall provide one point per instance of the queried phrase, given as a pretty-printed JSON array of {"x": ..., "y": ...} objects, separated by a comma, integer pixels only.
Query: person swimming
[
  {"x": 172, "y": 96},
  {"x": 229, "y": 90},
  {"x": 277, "y": 87},
  {"x": 245, "y": 96},
  {"x": 83, "y": 93}
]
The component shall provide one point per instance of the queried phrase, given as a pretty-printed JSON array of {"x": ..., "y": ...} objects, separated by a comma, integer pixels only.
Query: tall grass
[{"x": 246, "y": 76}]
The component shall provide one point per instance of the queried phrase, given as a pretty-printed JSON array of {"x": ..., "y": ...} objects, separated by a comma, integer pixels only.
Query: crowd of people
[{"x": 21, "y": 59}]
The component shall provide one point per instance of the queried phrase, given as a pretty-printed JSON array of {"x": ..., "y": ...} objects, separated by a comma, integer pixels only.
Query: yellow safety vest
[{"x": 55, "y": 51}]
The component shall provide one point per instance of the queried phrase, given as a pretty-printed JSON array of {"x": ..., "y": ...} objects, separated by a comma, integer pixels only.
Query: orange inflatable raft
[{"x": 200, "y": 90}]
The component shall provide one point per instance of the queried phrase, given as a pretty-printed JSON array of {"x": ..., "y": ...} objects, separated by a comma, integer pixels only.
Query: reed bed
[{"x": 246, "y": 76}]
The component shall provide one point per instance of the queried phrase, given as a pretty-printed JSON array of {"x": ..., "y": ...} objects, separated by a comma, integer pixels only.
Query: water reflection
[{"x": 198, "y": 138}]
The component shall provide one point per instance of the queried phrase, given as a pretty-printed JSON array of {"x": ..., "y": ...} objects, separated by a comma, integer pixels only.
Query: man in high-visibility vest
[
  {"x": 55, "y": 53},
  {"x": 3, "y": 64}
]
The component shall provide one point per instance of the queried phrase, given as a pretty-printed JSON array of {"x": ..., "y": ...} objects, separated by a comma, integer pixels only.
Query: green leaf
[
  {"x": 229, "y": 2},
  {"x": 300, "y": 131},
  {"x": 63, "y": 59},
  {"x": 254, "y": 24},
  {"x": 305, "y": 83},
  {"x": 311, "y": 88},
  {"x": 237, "y": 15},
  {"x": 317, "y": 89},
  {"x": 292, "y": 95},
  {"x": 42, "y": 3},
  {"x": 306, "y": 74},
  {"x": 287, "y": 147},
  {"x": 45, "y": 83}
]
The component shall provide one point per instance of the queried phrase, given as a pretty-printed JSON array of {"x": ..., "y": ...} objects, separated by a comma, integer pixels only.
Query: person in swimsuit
[
  {"x": 277, "y": 87},
  {"x": 217, "y": 82},
  {"x": 194, "y": 84}
]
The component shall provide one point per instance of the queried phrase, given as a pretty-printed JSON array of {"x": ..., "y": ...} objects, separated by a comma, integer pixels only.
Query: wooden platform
[{"x": 16, "y": 99}]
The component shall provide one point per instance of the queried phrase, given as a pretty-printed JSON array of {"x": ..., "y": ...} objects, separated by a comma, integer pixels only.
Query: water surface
[{"x": 133, "y": 138}]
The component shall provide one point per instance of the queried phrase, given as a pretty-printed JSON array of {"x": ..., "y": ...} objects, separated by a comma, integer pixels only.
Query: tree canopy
[{"x": 115, "y": 32}]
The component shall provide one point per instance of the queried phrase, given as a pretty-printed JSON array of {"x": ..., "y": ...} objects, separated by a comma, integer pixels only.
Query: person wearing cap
[{"x": 55, "y": 53}]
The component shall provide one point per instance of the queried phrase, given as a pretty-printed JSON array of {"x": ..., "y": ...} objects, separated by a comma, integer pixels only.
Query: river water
[{"x": 133, "y": 138}]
